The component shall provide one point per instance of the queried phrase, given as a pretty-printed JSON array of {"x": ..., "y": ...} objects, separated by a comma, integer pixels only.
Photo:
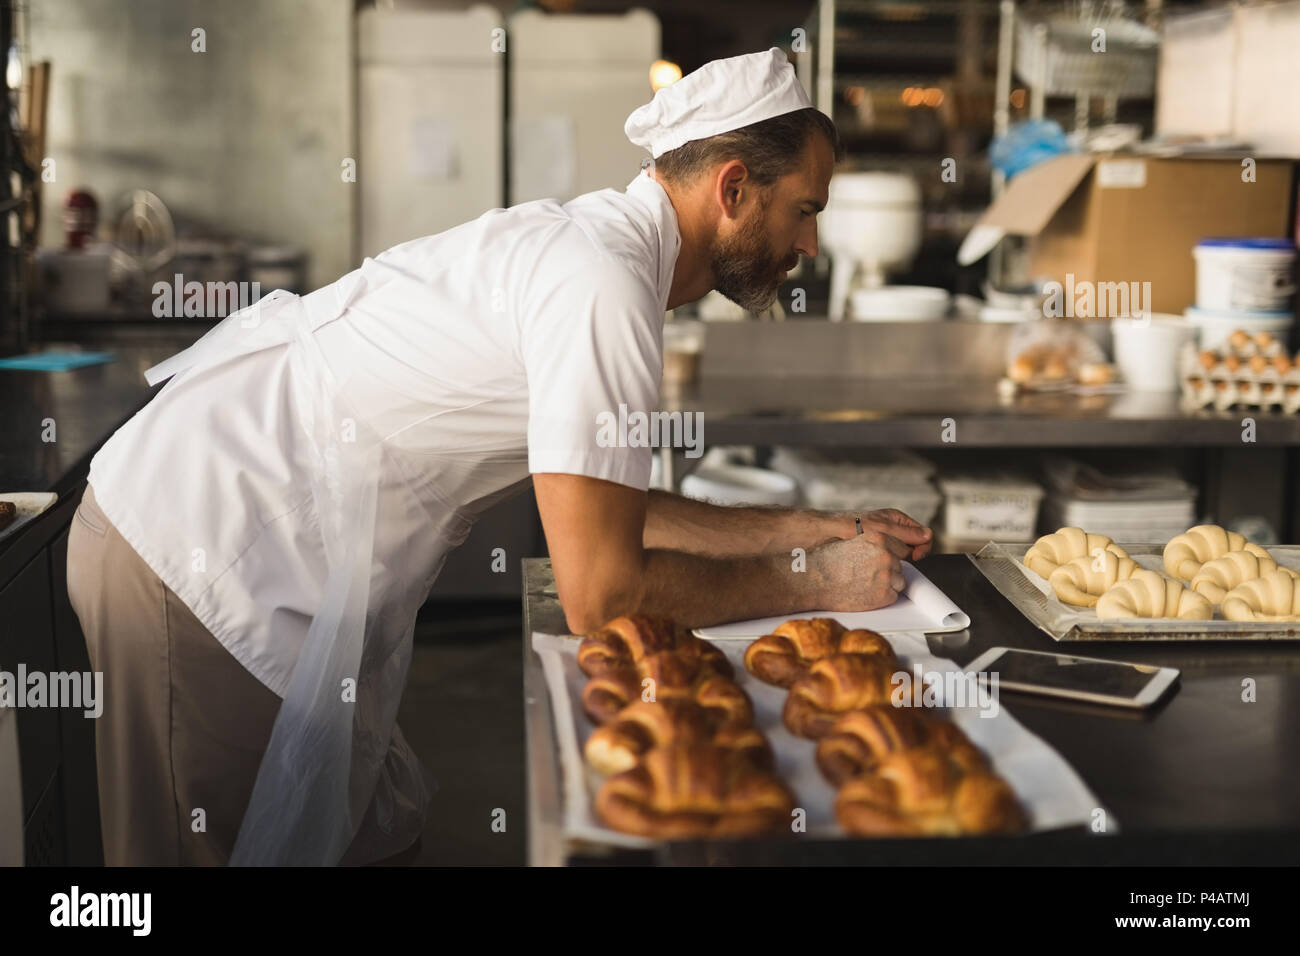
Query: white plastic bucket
[{"x": 1244, "y": 275}]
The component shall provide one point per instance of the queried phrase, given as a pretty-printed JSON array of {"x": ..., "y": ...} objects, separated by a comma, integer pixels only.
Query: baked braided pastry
[
  {"x": 670, "y": 676},
  {"x": 1053, "y": 550},
  {"x": 1148, "y": 594},
  {"x": 924, "y": 791},
  {"x": 1187, "y": 552},
  {"x": 835, "y": 685},
  {"x": 785, "y": 655},
  {"x": 1219, "y": 576},
  {"x": 685, "y": 791},
  {"x": 626, "y": 640},
  {"x": 619, "y": 744},
  {"x": 1080, "y": 581},
  {"x": 1270, "y": 597},
  {"x": 860, "y": 739}
]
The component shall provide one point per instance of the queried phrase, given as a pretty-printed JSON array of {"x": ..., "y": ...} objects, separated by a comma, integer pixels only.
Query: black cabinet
[
  {"x": 27, "y": 645},
  {"x": 79, "y": 785}
]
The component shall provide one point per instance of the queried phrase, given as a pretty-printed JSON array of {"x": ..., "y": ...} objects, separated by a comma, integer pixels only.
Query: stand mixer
[{"x": 872, "y": 223}]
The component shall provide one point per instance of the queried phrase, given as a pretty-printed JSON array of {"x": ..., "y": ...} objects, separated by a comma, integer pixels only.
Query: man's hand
[
  {"x": 609, "y": 560},
  {"x": 859, "y": 573},
  {"x": 905, "y": 528}
]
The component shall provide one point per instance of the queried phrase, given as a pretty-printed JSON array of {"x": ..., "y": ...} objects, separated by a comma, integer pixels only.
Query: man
[{"x": 253, "y": 545}]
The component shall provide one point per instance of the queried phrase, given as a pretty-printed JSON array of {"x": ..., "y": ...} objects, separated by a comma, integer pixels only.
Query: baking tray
[
  {"x": 1000, "y": 562},
  {"x": 28, "y": 505},
  {"x": 1050, "y": 790}
]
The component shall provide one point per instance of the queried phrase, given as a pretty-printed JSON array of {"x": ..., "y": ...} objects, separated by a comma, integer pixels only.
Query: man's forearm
[
  {"x": 698, "y": 590},
  {"x": 681, "y": 524}
]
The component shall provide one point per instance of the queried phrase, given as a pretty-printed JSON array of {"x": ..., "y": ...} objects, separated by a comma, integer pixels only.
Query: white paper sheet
[
  {"x": 1047, "y": 785},
  {"x": 921, "y": 607}
]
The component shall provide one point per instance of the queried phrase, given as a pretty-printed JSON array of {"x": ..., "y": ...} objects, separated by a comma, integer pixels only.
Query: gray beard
[
  {"x": 744, "y": 269},
  {"x": 738, "y": 283}
]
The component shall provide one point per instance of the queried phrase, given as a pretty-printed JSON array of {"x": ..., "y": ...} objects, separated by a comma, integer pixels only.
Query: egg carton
[{"x": 1250, "y": 371}]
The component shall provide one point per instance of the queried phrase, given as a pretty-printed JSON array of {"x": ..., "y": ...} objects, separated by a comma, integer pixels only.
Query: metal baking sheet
[
  {"x": 28, "y": 506},
  {"x": 1049, "y": 788},
  {"x": 1000, "y": 562}
]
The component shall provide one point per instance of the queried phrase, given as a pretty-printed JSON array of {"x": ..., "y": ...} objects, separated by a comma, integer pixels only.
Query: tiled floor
[{"x": 463, "y": 714}]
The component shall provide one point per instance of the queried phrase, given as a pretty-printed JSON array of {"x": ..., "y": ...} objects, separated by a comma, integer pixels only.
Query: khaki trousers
[{"x": 184, "y": 725}]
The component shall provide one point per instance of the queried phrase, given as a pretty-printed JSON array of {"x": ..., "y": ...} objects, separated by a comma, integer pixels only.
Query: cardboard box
[{"x": 1128, "y": 219}]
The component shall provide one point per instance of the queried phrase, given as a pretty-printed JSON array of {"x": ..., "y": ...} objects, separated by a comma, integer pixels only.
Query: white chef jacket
[{"x": 478, "y": 355}]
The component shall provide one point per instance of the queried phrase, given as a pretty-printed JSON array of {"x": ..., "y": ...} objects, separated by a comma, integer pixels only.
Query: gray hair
[{"x": 769, "y": 149}]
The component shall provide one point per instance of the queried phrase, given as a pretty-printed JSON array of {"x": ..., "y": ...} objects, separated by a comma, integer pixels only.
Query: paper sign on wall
[
  {"x": 543, "y": 161},
  {"x": 432, "y": 149}
]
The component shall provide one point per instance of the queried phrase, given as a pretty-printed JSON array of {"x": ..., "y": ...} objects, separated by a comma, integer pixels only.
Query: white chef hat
[{"x": 720, "y": 96}]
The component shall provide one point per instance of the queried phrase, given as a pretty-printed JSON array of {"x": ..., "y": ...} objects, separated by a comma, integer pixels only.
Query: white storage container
[
  {"x": 919, "y": 500},
  {"x": 1244, "y": 275},
  {"x": 1001, "y": 509},
  {"x": 871, "y": 479},
  {"x": 725, "y": 484}
]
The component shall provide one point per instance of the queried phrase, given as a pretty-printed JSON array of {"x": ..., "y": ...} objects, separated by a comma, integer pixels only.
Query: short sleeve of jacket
[{"x": 592, "y": 350}]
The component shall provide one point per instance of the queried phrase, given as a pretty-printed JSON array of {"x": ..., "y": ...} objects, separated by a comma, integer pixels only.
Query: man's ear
[{"x": 731, "y": 184}]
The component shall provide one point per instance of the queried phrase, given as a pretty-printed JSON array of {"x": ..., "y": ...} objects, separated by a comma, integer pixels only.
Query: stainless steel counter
[{"x": 836, "y": 411}]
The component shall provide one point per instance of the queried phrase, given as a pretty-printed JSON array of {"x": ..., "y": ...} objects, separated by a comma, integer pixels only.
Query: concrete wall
[{"x": 247, "y": 138}]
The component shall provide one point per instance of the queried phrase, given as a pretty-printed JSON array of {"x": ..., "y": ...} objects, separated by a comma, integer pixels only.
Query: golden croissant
[
  {"x": 1271, "y": 597},
  {"x": 924, "y": 791},
  {"x": 619, "y": 744},
  {"x": 695, "y": 790},
  {"x": 1080, "y": 581},
  {"x": 860, "y": 739},
  {"x": 835, "y": 685},
  {"x": 625, "y": 641},
  {"x": 785, "y": 655},
  {"x": 1219, "y": 576},
  {"x": 1187, "y": 552},
  {"x": 664, "y": 676},
  {"x": 1053, "y": 550},
  {"x": 1148, "y": 594}
]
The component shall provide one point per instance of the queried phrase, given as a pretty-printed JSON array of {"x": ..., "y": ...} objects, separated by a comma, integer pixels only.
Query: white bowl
[
  {"x": 900, "y": 303},
  {"x": 740, "y": 485}
]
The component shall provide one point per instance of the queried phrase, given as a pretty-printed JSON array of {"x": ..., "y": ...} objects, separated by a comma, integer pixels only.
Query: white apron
[{"x": 337, "y": 773}]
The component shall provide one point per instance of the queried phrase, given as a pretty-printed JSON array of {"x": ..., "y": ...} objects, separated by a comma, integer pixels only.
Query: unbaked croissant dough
[
  {"x": 1271, "y": 597},
  {"x": 1148, "y": 594},
  {"x": 1187, "y": 552},
  {"x": 1216, "y": 578},
  {"x": 1052, "y": 550},
  {"x": 1080, "y": 581}
]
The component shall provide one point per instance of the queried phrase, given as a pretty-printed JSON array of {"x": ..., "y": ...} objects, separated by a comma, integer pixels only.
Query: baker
[{"x": 253, "y": 546}]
